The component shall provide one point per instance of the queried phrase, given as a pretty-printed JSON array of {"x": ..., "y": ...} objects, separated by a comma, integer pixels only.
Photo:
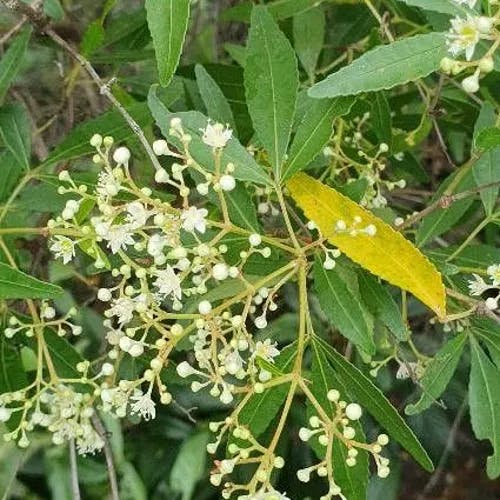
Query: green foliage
[
  {"x": 271, "y": 83},
  {"x": 385, "y": 67},
  {"x": 233, "y": 265},
  {"x": 15, "y": 284},
  {"x": 167, "y": 21}
]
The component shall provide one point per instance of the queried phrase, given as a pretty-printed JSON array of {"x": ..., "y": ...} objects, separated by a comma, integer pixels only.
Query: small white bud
[
  {"x": 104, "y": 294},
  {"x": 353, "y": 411},
  {"x": 255, "y": 239},
  {"x": 160, "y": 147},
  {"x": 220, "y": 271},
  {"x": 471, "y": 83},
  {"x": 227, "y": 182},
  {"x": 121, "y": 155},
  {"x": 96, "y": 141},
  {"x": 204, "y": 307}
]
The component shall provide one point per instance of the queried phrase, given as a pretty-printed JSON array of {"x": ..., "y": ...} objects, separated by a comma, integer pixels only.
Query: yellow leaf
[{"x": 386, "y": 254}]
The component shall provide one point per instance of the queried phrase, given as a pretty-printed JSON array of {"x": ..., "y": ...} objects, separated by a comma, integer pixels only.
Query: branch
[
  {"x": 108, "y": 454},
  {"x": 75, "y": 487},
  {"x": 445, "y": 201},
  {"x": 41, "y": 22}
]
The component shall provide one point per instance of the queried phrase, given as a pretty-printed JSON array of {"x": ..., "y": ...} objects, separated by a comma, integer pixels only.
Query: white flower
[
  {"x": 406, "y": 370},
  {"x": 266, "y": 350},
  {"x": 477, "y": 286},
  {"x": 123, "y": 309},
  {"x": 143, "y": 405},
  {"x": 119, "y": 237},
  {"x": 107, "y": 185},
  {"x": 194, "y": 219},
  {"x": 463, "y": 36},
  {"x": 156, "y": 244},
  {"x": 64, "y": 248},
  {"x": 138, "y": 214},
  {"x": 233, "y": 363},
  {"x": 169, "y": 283},
  {"x": 494, "y": 273},
  {"x": 216, "y": 135}
]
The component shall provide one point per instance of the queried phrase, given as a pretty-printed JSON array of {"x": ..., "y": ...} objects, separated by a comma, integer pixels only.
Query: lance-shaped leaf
[
  {"x": 386, "y": 254},
  {"x": 438, "y": 374},
  {"x": 352, "y": 480},
  {"x": 15, "y": 284},
  {"x": 271, "y": 83},
  {"x": 9, "y": 63},
  {"x": 449, "y": 7},
  {"x": 373, "y": 400},
  {"x": 386, "y": 66},
  {"x": 314, "y": 132},
  {"x": 167, "y": 21},
  {"x": 342, "y": 308},
  {"x": 484, "y": 401}
]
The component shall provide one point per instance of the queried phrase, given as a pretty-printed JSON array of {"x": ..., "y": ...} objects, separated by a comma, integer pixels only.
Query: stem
[
  {"x": 75, "y": 487},
  {"x": 286, "y": 218},
  {"x": 108, "y": 454}
]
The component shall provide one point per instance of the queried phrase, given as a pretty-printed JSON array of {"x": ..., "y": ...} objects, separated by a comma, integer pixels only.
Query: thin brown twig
[
  {"x": 108, "y": 454},
  {"x": 7, "y": 36},
  {"x": 41, "y": 22},
  {"x": 75, "y": 487},
  {"x": 444, "y": 202}
]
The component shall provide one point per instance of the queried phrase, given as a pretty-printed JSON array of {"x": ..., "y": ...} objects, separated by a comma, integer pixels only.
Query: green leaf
[
  {"x": 64, "y": 356},
  {"x": 53, "y": 9},
  {"x": 381, "y": 118},
  {"x": 352, "y": 480},
  {"x": 442, "y": 219},
  {"x": 271, "y": 83},
  {"x": 15, "y": 284},
  {"x": 488, "y": 138},
  {"x": 242, "y": 210},
  {"x": 484, "y": 402},
  {"x": 76, "y": 143},
  {"x": 10, "y": 63},
  {"x": 246, "y": 169},
  {"x": 261, "y": 409},
  {"x": 308, "y": 37},
  {"x": 342, "y": 307},
  {"x": 386, "y": 66},
  {"x": 218, "y": 108},
  {"x": 486, "y": 169},
  {"x": 131, "y": 484},
  {"x": 371, "y": 398},
  {"x": 15, "y": 131},
  {"x": 93, "y": 38},
  {"x": 314, "y": 132},
  {"x": 189, "y": 465},
  {"x": 442, "y": 6},
  {"x": 438, "y": 374},
  {"x": 168, "y": 22},
  {"x": 279, "y": 9},
  {"x": 237, "y": 52},
  {"x": 381, "y": 304},
  {"x": 487, "y": 330},
  {"x": 12, "y": 375}
]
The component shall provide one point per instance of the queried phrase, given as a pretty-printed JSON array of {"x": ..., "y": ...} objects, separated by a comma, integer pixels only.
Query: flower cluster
[
  {"x": 478, "y": 286},
  {"x": 339, "y": 426},
  {"x": 368, "y": 166},
  {"x": 464, "y": 36}
]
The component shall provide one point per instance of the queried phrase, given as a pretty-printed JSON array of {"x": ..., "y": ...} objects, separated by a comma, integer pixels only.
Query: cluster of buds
[
  {"x": 478, "y": 286},
  {"x": 47, "y": 319},
  {"x": 244, "y": 449},
  {"x": 464, "y": 36},
  {"x": 339, "y": 427},
  {"x": 370, "y": 167}
]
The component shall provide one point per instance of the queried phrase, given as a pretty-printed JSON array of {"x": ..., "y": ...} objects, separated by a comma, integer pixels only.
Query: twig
[
  {"x": 108, "y": 454},
  {"x": 75, "y": 487},
  {"x": 41, "y": 22},
  {"x": 444, "y": 202},
  {"x": 5, "y": 38}
]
